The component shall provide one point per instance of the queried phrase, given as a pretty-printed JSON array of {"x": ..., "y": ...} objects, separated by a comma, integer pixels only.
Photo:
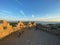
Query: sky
[{"x": 30, "y": 10}]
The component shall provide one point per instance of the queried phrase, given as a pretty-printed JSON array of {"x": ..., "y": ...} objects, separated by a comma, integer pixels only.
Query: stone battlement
[{"x": 6, "y": 29}]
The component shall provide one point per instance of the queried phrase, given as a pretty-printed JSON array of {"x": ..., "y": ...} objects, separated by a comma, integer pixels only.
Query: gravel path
[{"x": 32, "y": 37}]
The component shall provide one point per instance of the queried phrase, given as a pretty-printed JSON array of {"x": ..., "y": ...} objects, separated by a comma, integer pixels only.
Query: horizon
[{"x": 30, "y": 10}]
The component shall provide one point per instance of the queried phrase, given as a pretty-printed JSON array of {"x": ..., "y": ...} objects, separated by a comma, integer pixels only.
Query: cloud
[
  {"x": 18, "y": 1},
  {"x": 33, "y": 16},
  {"x": 22, "y": 13},
  {"x": 5, "y": 12},
  {"x": 6, "y": 15},
  {"x": 49, "y": 17}
]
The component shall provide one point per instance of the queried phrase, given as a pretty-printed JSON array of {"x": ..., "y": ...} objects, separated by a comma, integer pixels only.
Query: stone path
[{"x": 32, "y": 37}]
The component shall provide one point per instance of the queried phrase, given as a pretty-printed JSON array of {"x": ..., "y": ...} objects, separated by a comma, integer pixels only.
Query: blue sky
[{"x": 41, "y": 10}]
